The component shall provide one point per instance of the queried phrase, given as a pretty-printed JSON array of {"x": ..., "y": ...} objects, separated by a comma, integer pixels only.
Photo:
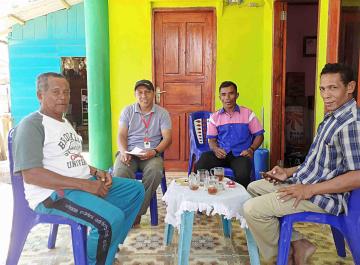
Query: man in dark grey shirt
[{"x": 147, "y": 126}]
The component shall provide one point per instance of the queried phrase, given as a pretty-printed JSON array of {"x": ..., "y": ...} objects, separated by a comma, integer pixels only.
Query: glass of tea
[
  {"x": 213, "y": 185},
  {"x": 194, "y": 181},
  {"x": 218, "y": 172}
]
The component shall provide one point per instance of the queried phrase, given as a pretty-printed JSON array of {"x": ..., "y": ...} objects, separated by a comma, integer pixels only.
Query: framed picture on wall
[
  {"x": 295, "y": 84},
  {"x": 309, "y": 46}
]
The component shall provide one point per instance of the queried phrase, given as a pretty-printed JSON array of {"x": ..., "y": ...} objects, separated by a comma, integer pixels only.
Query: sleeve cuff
[{"x": 258, "y": 133}]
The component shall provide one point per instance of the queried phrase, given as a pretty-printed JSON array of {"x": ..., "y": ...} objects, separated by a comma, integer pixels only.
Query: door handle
[{"x": 158, "y": 95}]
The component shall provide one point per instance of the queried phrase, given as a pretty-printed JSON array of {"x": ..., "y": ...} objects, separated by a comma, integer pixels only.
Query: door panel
[
  {"x": 173, "y": 153},
  {"x": 343, "y": 42},
  {"x": 278, "y": 93},
  {"x": 194, "y": 48},
  {"x": 171, "y": 49},
  {"x": 193, "y": 95},
  {"x": 184, "y": 71},
  {"x": 333, "y": 31},
  {"x": 349, "y": 41}
]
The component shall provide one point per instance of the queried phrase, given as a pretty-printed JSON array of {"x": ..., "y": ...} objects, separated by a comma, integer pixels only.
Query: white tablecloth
[{"x": 228, "y": 202}]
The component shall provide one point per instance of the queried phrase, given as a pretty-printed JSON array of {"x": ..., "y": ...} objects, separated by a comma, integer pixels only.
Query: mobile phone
[{"x": 267, "y": 175}]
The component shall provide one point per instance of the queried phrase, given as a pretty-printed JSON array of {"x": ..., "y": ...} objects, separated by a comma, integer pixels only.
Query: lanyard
[{"x": 146, "y": 123}]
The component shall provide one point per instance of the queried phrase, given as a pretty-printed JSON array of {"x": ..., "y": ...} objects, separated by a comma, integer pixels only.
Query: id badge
[{"x": 147, "y": 145}]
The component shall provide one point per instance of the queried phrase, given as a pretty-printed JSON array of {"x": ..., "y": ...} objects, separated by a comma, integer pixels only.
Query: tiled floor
[{"x": 144, "y": 246}]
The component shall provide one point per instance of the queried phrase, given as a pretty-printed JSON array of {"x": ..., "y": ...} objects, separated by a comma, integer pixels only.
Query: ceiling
[{"x": 19, "y": 11}]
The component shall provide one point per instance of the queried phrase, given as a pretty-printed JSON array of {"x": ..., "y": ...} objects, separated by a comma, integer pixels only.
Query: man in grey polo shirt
[{"x": 147, "y": 126}]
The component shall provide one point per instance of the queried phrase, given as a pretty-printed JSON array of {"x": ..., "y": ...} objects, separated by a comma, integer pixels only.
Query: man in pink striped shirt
[{"x": 234, "y": 133}]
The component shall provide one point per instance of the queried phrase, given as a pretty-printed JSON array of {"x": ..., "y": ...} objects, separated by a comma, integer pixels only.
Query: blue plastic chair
[
  {"x": 24, "y": 218},
  {"x": 347, "y": 226},
  {"x": 153, "y": 202},
  {"x": 198, "y": 143},
  {"x": 197, "y": 132}
]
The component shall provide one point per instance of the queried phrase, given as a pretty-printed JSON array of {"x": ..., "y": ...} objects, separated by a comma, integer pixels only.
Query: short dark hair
[
  {"x": 227, "y": 84},
  {"x": 42, "y": 80},
  {"x": 346, "y": 73},
  {"x": 145, "y": 83}
]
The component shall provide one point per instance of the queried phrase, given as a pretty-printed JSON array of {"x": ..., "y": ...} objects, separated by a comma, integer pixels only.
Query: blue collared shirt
[
  {"x": 335, "y": 151},
  {"x": 234, "y": 131}
]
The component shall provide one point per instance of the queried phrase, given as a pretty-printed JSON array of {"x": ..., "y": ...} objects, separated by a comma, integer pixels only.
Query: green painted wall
[{"x": 244, "y": 41}]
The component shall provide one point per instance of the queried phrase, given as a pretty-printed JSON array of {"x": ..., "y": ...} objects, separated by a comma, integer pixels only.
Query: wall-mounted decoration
[
  {"x": 309, "y": 46},
  {"x": 84, "y": 106},
  {"x": 74, "y": 67}
]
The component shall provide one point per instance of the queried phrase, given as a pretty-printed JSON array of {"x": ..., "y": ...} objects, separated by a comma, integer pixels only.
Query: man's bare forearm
[
  {"x": 290, "y": 171},
  {"x": 50, "y": 180},
  {"x": 213, "y": 143},
  {"x": 123, "y": 143},
  {"x": 166, "y": 140},
  {"x": 257, "y": 142},
  {"x": 340, "y": 184},
  {"x": 163, "y": 145}
]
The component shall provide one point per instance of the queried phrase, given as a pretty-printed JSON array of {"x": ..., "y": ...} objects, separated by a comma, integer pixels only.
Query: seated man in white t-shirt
[{"x": 47, "y": 152}]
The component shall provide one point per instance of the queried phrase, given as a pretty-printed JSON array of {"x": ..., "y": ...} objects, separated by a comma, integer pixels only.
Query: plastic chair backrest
[
  {"x": 198, "y": 127},
  {"x": 22, "y": 205}
]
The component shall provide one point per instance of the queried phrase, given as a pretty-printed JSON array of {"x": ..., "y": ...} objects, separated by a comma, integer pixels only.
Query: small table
[{"x": 182, "y": 203}]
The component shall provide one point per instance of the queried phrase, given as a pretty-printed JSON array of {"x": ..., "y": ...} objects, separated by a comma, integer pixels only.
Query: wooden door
[
  {"x": 343, "y": 37},
  {"x": 349, "y": 41},
  {"x": 278, "y": 92},
  {"x": 184, "y": 72}
]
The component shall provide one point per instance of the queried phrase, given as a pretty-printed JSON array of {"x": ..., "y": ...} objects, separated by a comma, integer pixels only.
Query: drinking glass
[
  {"x": 280, "y": 163},
  {"x": 213, "y": 185},
  {"x": 194, "y": 181},
  {"x": 218, "y": 172},
  {"x": 203, "y": 174}
]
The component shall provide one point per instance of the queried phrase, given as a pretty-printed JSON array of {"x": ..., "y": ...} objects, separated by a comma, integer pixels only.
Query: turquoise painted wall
[{"x": 37, "y": 47}]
